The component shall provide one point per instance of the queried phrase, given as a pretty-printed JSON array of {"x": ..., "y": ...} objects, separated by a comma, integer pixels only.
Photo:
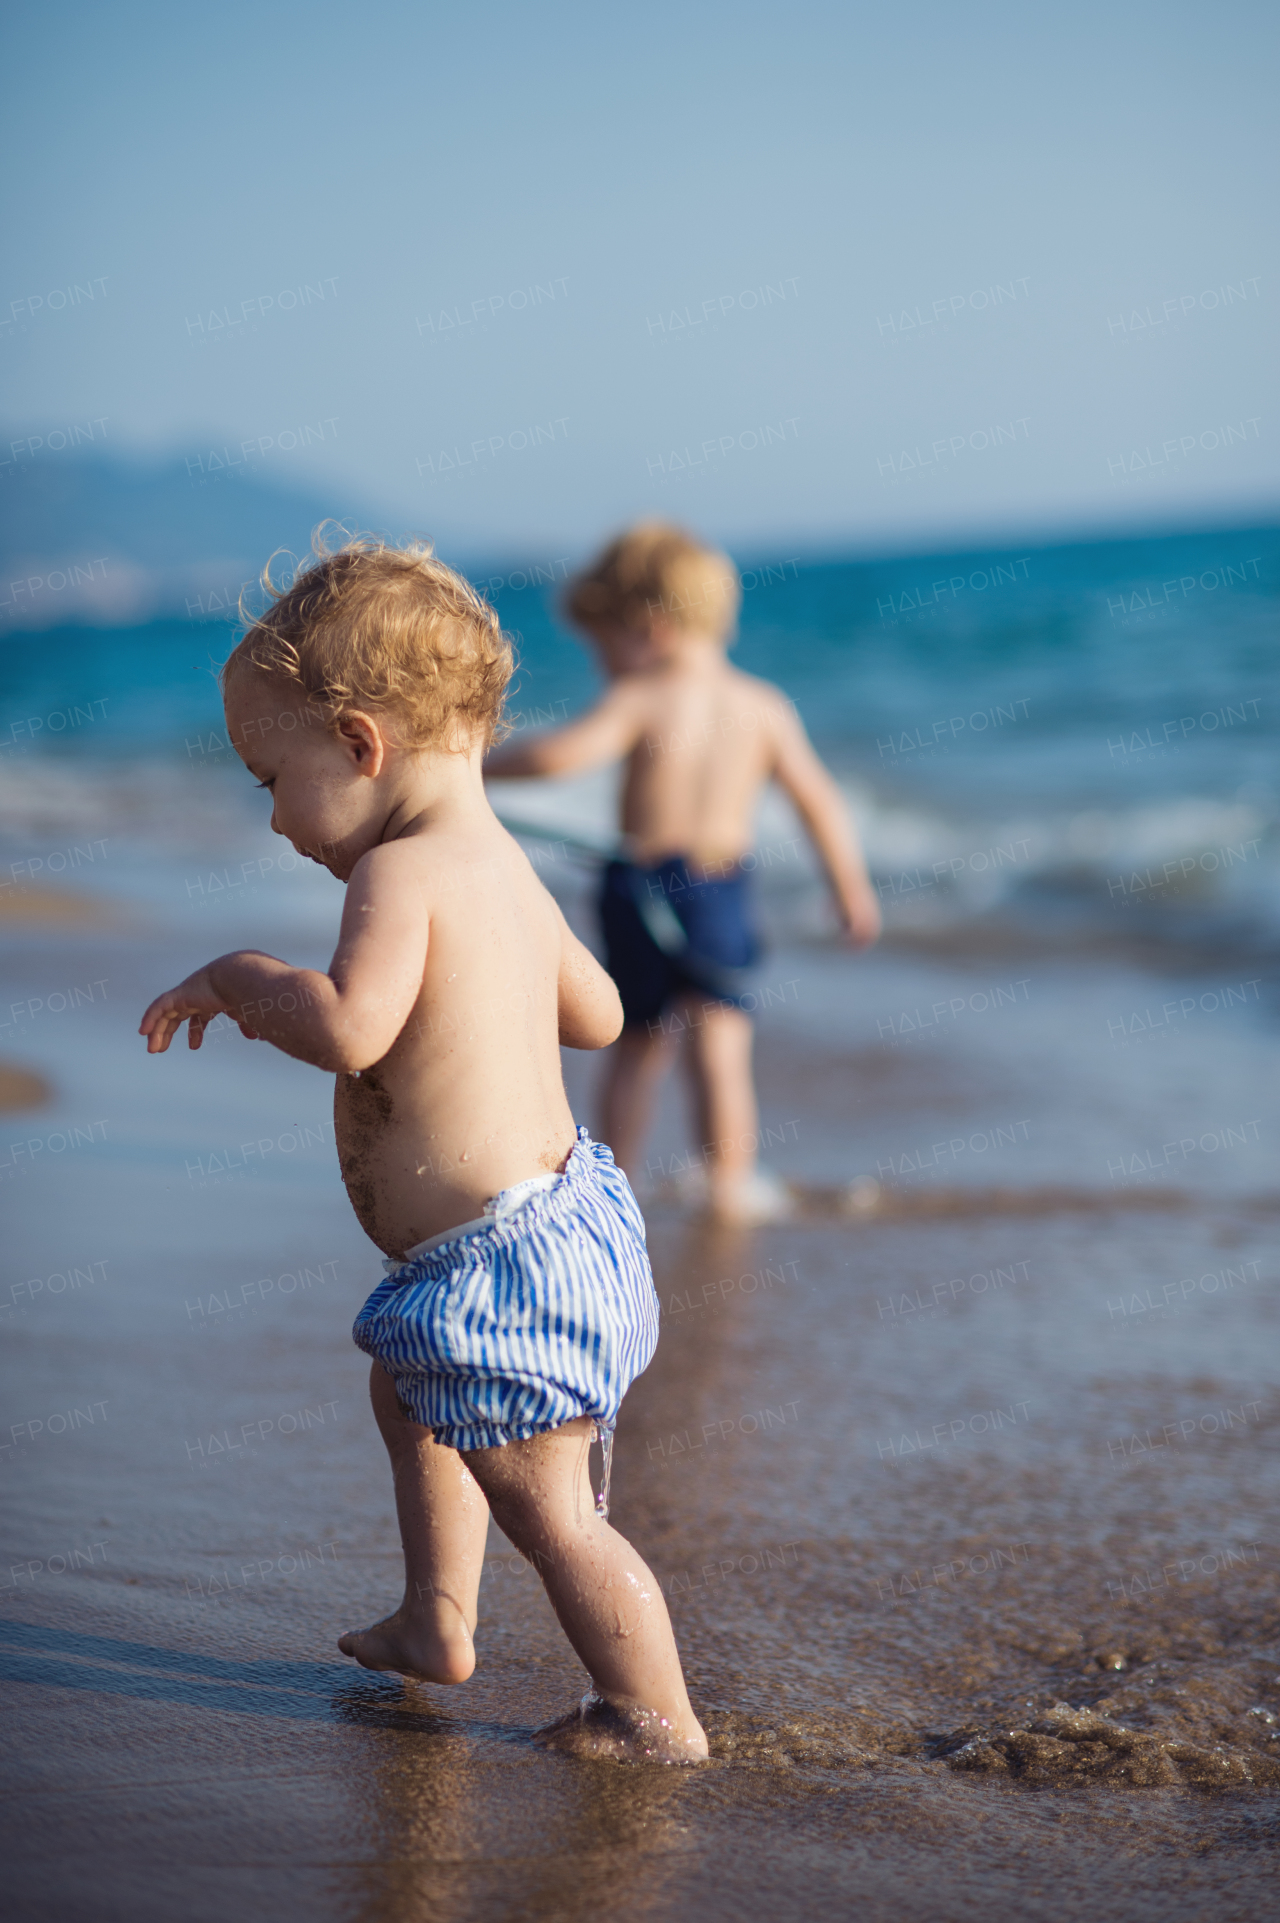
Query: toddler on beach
[
  {"x": 518, "y": 1304},
  {"x": 699, "y": 740}
]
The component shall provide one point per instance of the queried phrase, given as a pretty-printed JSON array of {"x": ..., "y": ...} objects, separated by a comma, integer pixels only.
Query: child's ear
[{"x": 363, "y": 742}]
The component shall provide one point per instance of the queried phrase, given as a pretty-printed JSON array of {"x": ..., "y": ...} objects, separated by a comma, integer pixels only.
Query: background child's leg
[
  {"x": 609, "y": 1604},
  {"x": 444, "y": 1521},
  {"x": 634, "y": 1071},
  {"x": 719, "y": 1058}
]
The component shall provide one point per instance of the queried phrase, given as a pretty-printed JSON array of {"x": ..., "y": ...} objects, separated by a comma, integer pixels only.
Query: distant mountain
[{"x": 92, "y": 539}]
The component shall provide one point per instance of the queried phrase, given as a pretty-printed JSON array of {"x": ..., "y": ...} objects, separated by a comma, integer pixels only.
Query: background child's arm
[
  {"x": 342, "y": 1021},
  {"x": 604, "y": 733},
  {"x": 590, "y": 1007},
  {"x": 821, "y": 807}
]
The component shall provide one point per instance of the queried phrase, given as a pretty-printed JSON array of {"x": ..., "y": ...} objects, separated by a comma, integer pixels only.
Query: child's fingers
[
  {"x": 168, "y": 1012},
  {"x": 155, "y": 1026},
  {"x": 163, "y": 1009},
  {"x": 164, "y": 1027}
]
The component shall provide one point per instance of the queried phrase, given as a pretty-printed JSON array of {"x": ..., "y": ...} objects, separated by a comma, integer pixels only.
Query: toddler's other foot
[
  {"x": 626, "y": 1735},
  {"x": 745, "y": 1200},
  {"x": 413, "y": 1647}
]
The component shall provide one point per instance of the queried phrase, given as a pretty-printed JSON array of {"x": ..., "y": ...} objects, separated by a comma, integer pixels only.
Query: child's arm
[
  {"x": 821, "y": 807},
  {"x": 604, "y": 733},
  {"x": 341, "y": 1021},
  {"x": 590, "y": 1007}
]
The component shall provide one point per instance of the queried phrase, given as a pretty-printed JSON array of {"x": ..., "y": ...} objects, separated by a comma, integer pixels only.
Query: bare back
[
  {"x": 708, "y": 742},
  {"x": 469, "y": 1099}
]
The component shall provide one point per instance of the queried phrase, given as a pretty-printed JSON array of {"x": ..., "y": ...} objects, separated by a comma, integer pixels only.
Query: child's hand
[
  {"x": 193, "y": 1000},
  {"x": 861, "y": 916}
]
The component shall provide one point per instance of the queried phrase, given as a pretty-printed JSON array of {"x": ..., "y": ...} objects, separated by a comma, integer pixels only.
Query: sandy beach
[{"x": 962, "y": 1498}]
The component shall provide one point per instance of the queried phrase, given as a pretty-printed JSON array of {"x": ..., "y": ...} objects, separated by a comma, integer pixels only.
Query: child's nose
[{"x": 276, "y": 829}]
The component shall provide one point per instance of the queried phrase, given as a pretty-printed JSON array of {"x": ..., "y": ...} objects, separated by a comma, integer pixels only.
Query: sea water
[{"x": 1080, "y": 739}]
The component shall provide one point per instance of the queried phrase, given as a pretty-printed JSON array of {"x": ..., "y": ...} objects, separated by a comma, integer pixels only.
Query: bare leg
[
  {"x": 719, "y": 1058},
  {"x": 635, "y": 1069},
  {"x": 444, "y": 1521},
  {"x": 609, "y": 1604}
]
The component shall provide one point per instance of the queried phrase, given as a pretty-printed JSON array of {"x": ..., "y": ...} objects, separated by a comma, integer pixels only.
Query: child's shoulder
[
  {"x": 755, "y": 682},
  {"x": 392, "y": 873},
  {"x": 685, "y": 688},
  {"x": 763, "y": 696},
  {"x": 725, "y": 677},
  {"x": 435, "y": 858}
]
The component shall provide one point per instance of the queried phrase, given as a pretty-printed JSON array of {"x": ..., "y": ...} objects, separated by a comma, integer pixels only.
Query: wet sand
[
  {"x": 33, "y": 907},
  {"x": 21, "y": 1090},
  {"x": 964, "y": 1506}
]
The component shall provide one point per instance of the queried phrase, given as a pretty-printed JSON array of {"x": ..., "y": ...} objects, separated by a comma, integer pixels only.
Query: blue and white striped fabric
[{"x": 549, "y": 1314}]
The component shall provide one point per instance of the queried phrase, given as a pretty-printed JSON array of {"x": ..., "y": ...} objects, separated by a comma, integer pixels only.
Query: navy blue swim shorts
[{"x": 668, "y": 934}]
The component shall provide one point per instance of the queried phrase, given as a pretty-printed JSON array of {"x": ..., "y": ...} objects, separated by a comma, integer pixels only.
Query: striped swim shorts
[{"x": 543, "y": 1312}]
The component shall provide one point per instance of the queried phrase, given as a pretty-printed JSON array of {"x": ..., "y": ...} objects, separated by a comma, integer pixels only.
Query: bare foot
[
  {"x": 747, "y": 1200},
  {"x": 626, "y": 1735},
  {"x": 414, "y": 1647}
]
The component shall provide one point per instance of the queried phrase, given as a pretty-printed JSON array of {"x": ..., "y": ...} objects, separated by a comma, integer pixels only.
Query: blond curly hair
[
  {"x": 656, "y": 572},
  {"x": 366, "y": 625}
]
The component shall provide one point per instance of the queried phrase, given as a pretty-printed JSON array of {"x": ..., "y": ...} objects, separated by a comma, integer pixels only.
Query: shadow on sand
[{"x": 291, "y": 1691}]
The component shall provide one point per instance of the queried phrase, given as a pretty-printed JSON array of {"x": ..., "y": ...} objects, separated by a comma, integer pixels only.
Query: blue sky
[{"x": 944, "y": 273}]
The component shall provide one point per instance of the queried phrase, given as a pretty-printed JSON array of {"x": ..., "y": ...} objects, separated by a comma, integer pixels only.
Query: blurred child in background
[{"x": 699, "y": 740}]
